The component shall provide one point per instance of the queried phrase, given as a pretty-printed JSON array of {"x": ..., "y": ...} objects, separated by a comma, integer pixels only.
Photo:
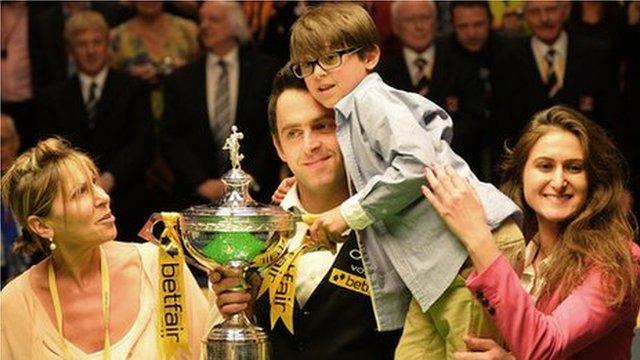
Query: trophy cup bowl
[{"x": 236, "y": 232}]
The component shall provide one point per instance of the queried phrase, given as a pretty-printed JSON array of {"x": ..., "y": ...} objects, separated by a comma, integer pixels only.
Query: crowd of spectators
[{"x": 149, "y": 88}]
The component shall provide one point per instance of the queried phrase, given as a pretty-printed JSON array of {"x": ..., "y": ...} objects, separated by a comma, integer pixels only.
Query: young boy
[{"x": 387, "y": 136}]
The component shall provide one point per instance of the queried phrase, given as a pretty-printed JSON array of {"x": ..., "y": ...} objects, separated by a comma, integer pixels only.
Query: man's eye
[{"x": 292, "y": 134}]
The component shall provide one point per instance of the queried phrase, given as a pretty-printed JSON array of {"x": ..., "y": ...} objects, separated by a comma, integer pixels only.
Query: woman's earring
[{"x": 52, "y": 245}]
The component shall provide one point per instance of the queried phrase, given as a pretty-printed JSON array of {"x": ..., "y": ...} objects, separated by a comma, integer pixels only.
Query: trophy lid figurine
[{"x": 236, "y": 232}]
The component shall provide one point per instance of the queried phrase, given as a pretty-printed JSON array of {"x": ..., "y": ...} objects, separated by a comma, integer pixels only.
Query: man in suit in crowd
[
  {"x": 52, "y": 61},
  {"x": 427, "y": 67},
  {"x": 228, "y": 86},
  {"x": 105, "y": 113},
  {"x": 475, "y": 46},
  {"x": 554, "y": 67}
]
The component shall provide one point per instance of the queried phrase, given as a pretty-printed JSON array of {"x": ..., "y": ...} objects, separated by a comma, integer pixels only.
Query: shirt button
[
  {"x": 491, "y": 311},
  {"x": 479, "y": 294},
  {"x": 484, "y": 301}
]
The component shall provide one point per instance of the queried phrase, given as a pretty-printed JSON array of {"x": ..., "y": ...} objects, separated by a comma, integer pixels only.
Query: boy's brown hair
[{"x": 332, "y": 26}]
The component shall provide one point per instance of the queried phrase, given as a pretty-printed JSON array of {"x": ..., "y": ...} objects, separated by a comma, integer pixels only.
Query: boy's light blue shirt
[{"x": 387, "y": 136}]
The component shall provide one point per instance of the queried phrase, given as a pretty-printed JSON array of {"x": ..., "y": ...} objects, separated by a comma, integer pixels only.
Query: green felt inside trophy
[{"x": 227, "y": 246}]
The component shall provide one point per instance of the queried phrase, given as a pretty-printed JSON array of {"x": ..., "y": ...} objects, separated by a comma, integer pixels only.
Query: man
[
  {"x": 52, "y": 61},
  {"x": 12, "y": 264},
  {"x": 427, "y": 67},
  {"x": 554, "y": 67},
  {"x": 203, "y": 100},
  {"x": 476, "y": 47},
  {"x": 333, "y": 318},
  {"x": 105, "y": 113}
]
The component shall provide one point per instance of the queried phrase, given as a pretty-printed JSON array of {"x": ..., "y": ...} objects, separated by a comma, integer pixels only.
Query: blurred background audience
[
  {"x": 490, "y": 64},
  {"x": 228, "y": 86},
  {"x": 12, "y": 264}
]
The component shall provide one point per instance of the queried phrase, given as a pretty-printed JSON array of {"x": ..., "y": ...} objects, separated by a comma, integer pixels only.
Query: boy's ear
[
  {"x": 276, "y": 144},
  {"x": 39, "y": 227},
  {"x": 371, "y": 58}
]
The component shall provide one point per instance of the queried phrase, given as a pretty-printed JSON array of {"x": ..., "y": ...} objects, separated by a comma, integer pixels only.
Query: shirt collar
[
  {"x": 411, "y": 55},
  {"x": 291, "y": 199},
  {"x": 231, "y": 58},
  {"x": 99, "y": 79},
  {"x": 346, "y": 105},
  {"x": 560, "y": 45}
]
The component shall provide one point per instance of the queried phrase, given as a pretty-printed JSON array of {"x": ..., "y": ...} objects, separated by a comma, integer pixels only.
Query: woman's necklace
[{"x": 53, "y": 289}]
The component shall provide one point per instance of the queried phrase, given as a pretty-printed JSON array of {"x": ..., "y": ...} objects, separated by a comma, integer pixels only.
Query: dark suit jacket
[
  {"x": 455, "y": 89},
  {"x": 589, "y": 86},
  {"x": 483, "y": 64},
  {"x": 187, "y": 141},
  {"x": 121, "y": 141}
]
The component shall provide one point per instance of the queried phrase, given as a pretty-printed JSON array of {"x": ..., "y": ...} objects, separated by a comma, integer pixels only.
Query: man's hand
[
  {"x": 229, "y": 302},
  {"x": 211, "y": 189},
  {"x": 328, "y": 228},
  {"x": 482, "y": 349},
  {"x": 282, "y": 190}
]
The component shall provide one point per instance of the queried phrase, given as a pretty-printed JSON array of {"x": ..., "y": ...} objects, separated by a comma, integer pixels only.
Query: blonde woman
[{"x": 91, "y": 297}]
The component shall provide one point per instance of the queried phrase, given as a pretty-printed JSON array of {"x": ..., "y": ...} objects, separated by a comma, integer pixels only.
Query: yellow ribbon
[
  {"x": 282, "y": 290},
  {"x": 172, "y": 333},
  {"x": 280, "y": 280},
  {"x": 280, "y": 277},
  {"x": 272, "y": 254}
]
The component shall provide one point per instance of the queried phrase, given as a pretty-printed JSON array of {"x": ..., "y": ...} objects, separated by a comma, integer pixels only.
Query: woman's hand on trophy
[{"x": 282, "y": 190}]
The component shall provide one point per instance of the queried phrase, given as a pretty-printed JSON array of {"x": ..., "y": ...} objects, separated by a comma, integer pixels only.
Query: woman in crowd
[
  {"x": 578, "y": 296},
  {"x": 152, "y": 44},
  {"x": 91, "y": 297}
]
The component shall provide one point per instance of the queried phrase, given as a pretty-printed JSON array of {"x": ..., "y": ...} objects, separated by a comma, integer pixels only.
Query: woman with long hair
[{"x": 578, "y": 296}]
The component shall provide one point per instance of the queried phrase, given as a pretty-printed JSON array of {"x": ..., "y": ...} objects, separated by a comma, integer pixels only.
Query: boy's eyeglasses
[{"x": 326, "y": 62}]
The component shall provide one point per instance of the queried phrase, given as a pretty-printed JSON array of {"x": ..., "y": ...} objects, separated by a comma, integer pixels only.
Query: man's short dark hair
[
  {"x": 285, "y": 79},
  {"x": 483, "y": 4}
]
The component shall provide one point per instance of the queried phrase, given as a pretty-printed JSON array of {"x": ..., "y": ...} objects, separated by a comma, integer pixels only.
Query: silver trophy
[{"x": 238, "y": 233}]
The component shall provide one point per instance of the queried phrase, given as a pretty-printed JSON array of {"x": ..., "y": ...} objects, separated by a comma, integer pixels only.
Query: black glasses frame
[{"x": 297, "y": 68}]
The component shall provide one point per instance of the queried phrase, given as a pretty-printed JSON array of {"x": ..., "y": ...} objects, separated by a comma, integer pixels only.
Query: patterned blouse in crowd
[{"x": 180, "y": 46}]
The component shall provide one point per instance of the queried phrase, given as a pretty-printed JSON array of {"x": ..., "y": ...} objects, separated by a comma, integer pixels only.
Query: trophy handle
[
  {"x": 147, "y": 230},
  {"x": 147, "y": 233}
]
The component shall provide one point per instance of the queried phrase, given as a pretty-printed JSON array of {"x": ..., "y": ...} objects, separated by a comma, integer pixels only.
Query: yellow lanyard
[{"x": 53, "y": 289}]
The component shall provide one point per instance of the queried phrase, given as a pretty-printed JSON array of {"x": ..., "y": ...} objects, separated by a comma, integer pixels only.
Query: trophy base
[{"x": 237, "y": 339}]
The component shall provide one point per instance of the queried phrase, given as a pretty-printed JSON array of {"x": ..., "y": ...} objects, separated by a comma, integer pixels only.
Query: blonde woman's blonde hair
[
  {"x": 32, "y": 183},
  {"x": 332, "y": 26},
  {"x": 599, "y": 234},
  {"x": 82, "y": 21}
]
